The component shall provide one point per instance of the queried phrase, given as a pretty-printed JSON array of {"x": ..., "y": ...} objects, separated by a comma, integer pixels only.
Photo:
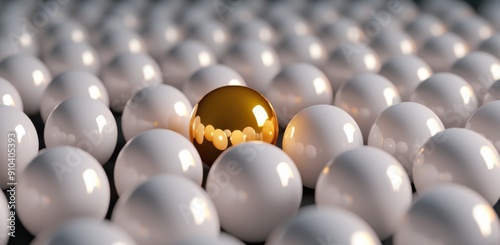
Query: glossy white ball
[
  {"x": 158, "y": 106},
  {"x": 213, "y": 34},
  {"x": 486, "y": 121},
  {"x": 365, "y": 97},
  {"x": 493, "y": 93},
  {"x": 84, "y": 123},
  {"x": 127, "y": 74},
  {"x": 74, "y": 83},
  {"x": 449, "y": 96},
  {"x": 343, "y": 30},
  {"x": 9, "y": 95},
  {"x": 473, "y": 30},
  {"x": 460, "y": 156},
  {"x": 491, "y": 45},
  {"x": 116, "y": 41},
  {"x": 254, "y": 29},
  {"x": 160, "y": 36},
  {"x": 370, "y": 183},
  {"x": 60, "y": 184},
  {"x": 68, "y": 55},
  {"x": 247, "y": 177},
  {"x": 307, "y": 48},
  {"x": 154, "y": 152},
  {"x": 323, "y": 225},
  {"x": 20, "y": 143},
  {"x": 390, "y": 43},
  {"x": 297, "y": 87},
  {"x": 7, "y": 219},
  {"x": 317, "y": 135},
  {"x": 166, "y": 208},
  {"x": 443, "y": 51},
  {"x": 29, "y": 76},
  {"x": 209, "y": 78},
  {"x": 424, "y": 27},
  {"x": 402, "y": 129},
  {"x": 449, "y": 214}
]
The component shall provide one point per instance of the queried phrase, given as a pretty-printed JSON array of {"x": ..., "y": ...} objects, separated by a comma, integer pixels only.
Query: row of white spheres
[{"x": 311, "y": 150}]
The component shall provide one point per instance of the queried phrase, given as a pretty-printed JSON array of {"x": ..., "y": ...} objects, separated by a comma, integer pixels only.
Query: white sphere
[
  {"x": 307, "y": 48},
  {"x": 343, "y": 30},
  {"x": 443, "y": 51},
  {"x": 116, "y": 41},
  {"x": 348, "y": 60},
  {"x": 406, "y": 73},
  {"x": 297, "y": 87},
  {"x": 127, "y": 74},
  {"x": 67, "y": 30},
  {"x": 449, "y": 214},
  {"x": 255, "y": 186},
  {"x": 29, "y": 76},
  {"x": 69, "y": 84},
  {"x": 370, "y": 183},
  {"x": 84, "y": 123},
  {"x": 323, "y": 226},
  {"x": 209, "y": 78},
  {"x": 68, "y": 55},
  {"x": 424, "y": 27},
  {"x": 290, "y": 24},
  {"x": 390, "y": 43},
  {"x": 321, "y": 13},
  {"x": 491, "y": 45},
  {"x": 9, "y": 221},
  {"x": 459, "y": 156},
  {"x": 60, "y": 184},
  {"x": 449, "y": 96},
  {"x": 480, "y": 69},
  {"x": 9, "y": 95},
  {"x": 160, "y": 36},
  {"x": 402, "y": 129},
  {"x": 183, "y": 60},
  {"x": 84, "y": 231},
  {"x": 257, "y": 62},
  {"x": 365, "y": 97},
  {"x": 157, "y": 106},
  {"x": 20, "y": 140},
  {"x": 486, "y": 121},
  {"x": 254, "y": 29},
  {"x": 493, "y": 93},
  {"x": 166, "y": 209},
  {"x": 154, "y": 152},
  {"x": 317, "y": 135},
  {"x": 213, "y": 34},
  {"x": 473, "y": 30},
  {"x": 223, "y": 239}
]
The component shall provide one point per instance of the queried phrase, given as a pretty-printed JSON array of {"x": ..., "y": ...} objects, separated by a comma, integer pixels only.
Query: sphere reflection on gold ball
[{"x": 228, "y": 116}]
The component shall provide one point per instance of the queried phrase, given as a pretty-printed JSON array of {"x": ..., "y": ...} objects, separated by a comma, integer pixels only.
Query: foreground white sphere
[
  {"x": 370, "y": 183},
  {"x": 255, "y": 186},
  {"x": 459, "y": 156},
  {"x": 9, "y": 95},
  {"x": 85, "y": 123},
  {"x": 449, "y": 214},
  {"x": 20, "y": 143},
  {"x": 166, "y": 209},
  {"x": 60, "y": 184},
  {"x": 402, "y": 129},
  {"x": 154, "y": 152},
  {"x": 317, "y": 135},
  {"x": 322, "y": 226}
]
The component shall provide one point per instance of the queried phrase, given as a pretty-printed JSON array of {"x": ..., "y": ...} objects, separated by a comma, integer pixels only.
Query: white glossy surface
[
  {"x": 370, "y": 183},
  {"x": 166, "y": 208},
  {"x": 290, "y": 25},
  {"x": 348, "y": 60},
  {"x": 443, "y": 51},
  {"x": 425, "y": 26},
  {"x": 390, "y": 43},
  {"x": 491, "y": 45},
  {"x": 74, "y": 83},
  {"x": 84, "y": 123},
  {"x": 307, "y": 48},
  {"x": 83, "y": 231},
  {"x": 68, "y": 55},
  {"x": 365, "y": 97},
  {"x": 297, "y": 87},
  {"x": 344, "y": 30},
  {"x": 29, "y": 76},
  {"x": 68, "y": 30},
  {"x": 154, "y": 152},
  {"x": 25, "y": 140},
  {"x": 117, "y": 41},
  {"x": 402, "y": 129},
  {"x": 60, "y": 184},
  {"x": 7, "y": 220},
  {"x": 480, "y": 69},
  {"x": 449, "y": 96},
  {"x": 257, "y": 62},
  {"x": 209, "y": 78},
  {"x": 255, "y": 186},
  {"x": 160, "y": 36},
  {"x": 9, "y": 95},
  {"x": 486, "y": 121},
  {"x": 254, "y": 29},
  {"x": 473, "y": 30},
  {"x": 183, "y": 60},
  {"x": 127, "y": 74},
  {"x": 493, "y": 93},
  {"x": 461, "y": 156},
  {"x": 449, "y": 214},
  {"x": 157, "y": 106},
  {"x": 213, "y": 34},
  {"x": 406, "y": 73},
  {"x": 316, "y": 135},
  {"x": 322, "y": 226}
]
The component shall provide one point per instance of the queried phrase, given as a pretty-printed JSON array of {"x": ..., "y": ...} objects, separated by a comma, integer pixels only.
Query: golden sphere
[{"x": 229, "y": 116}]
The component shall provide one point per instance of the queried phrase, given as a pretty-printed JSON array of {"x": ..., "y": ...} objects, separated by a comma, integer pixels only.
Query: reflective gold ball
[{"x": 229, "y": 116}]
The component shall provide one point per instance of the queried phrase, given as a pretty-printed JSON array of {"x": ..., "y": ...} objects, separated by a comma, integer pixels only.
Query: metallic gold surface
[{"x": 229, "y": 116}]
